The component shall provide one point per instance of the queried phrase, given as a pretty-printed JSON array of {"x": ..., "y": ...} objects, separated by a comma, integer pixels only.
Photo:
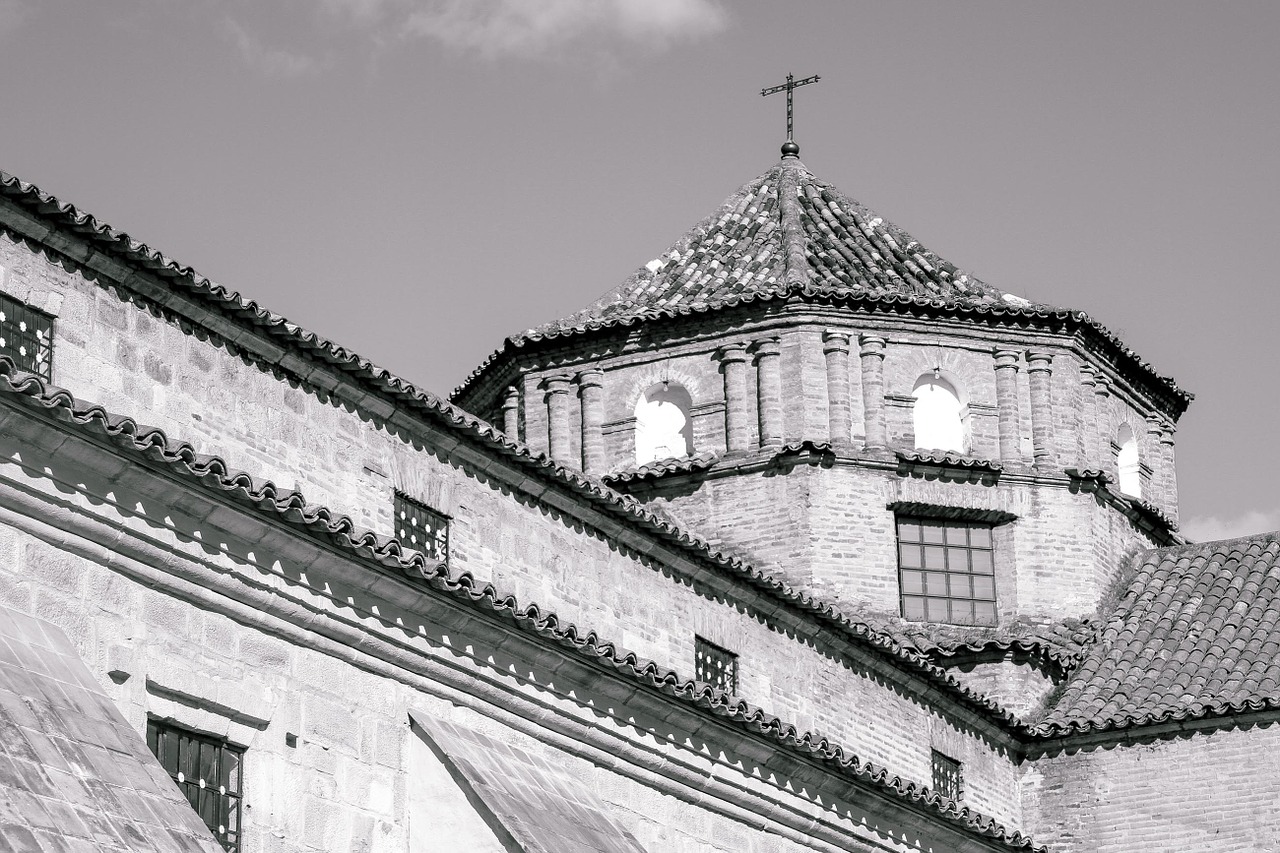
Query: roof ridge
[{"x": 797, "y": 270}]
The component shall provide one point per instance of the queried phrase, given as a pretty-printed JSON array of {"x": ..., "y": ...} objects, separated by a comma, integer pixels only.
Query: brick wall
[{"x": 1195, "y": 792}]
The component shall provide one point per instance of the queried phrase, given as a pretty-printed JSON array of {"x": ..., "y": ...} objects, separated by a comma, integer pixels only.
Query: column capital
[
  {"x": 1039, "y": 362},
  {"x": 767, "y": 347},
  {"x": 833, "y": 341},
  {"x": 732, "y": 352},
  {"x": 1088, "y": 374},
  {"x": 1006, "y": 358},
  {"x": 511, "y": 397},
  {"x": 871, "y": 345},
  {"x": 591, "y": 378},
  {"x": 1101, "y": 386},
  {"x": 556, "y": 384}
]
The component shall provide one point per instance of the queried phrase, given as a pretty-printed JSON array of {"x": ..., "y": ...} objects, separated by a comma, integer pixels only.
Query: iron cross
[{"x": 788, "y": 87}]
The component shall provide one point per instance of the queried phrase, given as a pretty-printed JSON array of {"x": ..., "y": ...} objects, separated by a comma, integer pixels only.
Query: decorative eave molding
[
  {"x": 1145, "y": 516},
  {"x": 1054, "y": 320},
  {"x": 946, "y": 459}
]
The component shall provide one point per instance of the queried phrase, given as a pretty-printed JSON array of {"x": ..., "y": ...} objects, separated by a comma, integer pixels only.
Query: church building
[{"x": 799, "y": 539}]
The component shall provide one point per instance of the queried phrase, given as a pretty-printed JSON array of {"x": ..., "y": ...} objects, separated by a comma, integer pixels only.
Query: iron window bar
[{"x": 209, "y": 772}]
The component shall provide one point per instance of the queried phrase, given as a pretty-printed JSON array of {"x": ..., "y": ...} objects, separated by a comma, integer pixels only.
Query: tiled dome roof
[{"x": 785, "y": 230}]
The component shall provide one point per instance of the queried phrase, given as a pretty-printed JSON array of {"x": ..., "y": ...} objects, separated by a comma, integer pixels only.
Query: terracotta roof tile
[{"x": 1196, "y": 634}]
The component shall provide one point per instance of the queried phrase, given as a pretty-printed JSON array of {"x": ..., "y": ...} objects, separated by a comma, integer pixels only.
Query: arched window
[
  {"x": 664, "y": 429},
  {"x": 1127, "y": 462},
  {"x": 938, "y": 414}
]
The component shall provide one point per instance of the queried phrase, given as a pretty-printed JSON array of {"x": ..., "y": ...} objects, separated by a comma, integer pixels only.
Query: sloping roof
[
  {"x": 1196, "y": 634},
  {"x": 542, "y": 807},
  {"x": 783, "y": 230},
  {"x": 73, "y": 774},
  {"x": 153, "y": 446}
]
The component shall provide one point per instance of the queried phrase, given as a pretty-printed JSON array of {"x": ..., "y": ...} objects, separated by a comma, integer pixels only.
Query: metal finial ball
[{"x": 790, "y": 149}]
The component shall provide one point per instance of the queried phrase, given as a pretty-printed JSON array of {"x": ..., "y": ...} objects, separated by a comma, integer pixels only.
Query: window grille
[
  {"x": 947, "y": 779},
  {"x": 209, "y": 773},
  {"x": 715, "y": 665},
  {"x": 26, "y": 336},
  {"x": 946, "y": 571},
  {"x": 420, "y": 527}
]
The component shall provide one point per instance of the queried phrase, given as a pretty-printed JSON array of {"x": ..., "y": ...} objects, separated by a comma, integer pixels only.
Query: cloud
[
  {"x": 536, "y": 27},
  {"x": 1210, "y": 527},
  {"x": 273, "y": 61}
]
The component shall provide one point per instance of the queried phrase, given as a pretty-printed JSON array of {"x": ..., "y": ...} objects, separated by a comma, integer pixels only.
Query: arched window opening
[
  {"x": 664, "y": 428},
  {"x": 1127, "y": 462},
  {"x": 938, "y": 414}
]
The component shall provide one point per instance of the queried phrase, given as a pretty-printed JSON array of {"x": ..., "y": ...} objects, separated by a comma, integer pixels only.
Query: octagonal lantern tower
[{"x": 803, "y": 383}]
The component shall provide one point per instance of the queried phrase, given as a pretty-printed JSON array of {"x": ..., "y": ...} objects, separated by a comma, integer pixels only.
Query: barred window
[
  {"x": 946, "y": 571},
  {"x": 26, "y": 336},
  {"x": 715, "y": 665},
  {"x": 209, "y": 773},
  {"x": 947, "y": 779},
  {"x": 422, "y": 528}
]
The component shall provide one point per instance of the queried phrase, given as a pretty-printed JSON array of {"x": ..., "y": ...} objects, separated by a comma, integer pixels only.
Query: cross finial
[{"x": 790, "y": 149}]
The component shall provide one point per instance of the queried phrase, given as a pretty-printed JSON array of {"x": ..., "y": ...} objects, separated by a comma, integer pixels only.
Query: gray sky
[{"x": 416, "y": 179}]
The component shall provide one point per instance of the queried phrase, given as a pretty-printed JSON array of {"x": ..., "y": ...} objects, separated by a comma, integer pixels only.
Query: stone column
[
  {"x": 1040, "y": 375},
  {"x": 1010, "y": 419},
  {"x": 1087, "y": 425},
  {"x": 1104, "y": 430},
  {"x": 871, "y": 351},
  {"x": 558, "y": 418},
  {"x": 835, "y": 346},
  {"x": 590, "y": 390},
  {"x": 1153, "y": 455},
  {"x": 733, "y": 364},
  {"x": 769, "y": 391},
  {"x": 1169, "y": 466},
  {"x": 511, "y": 413}
]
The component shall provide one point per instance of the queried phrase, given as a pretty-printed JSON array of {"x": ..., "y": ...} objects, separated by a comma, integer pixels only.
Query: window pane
[
  {"x": 958, "y": 559},
  {"x": 912, "y": 582},
  {"x": 982, "y": 562},
  {"x": 936, "y": 610},
  {"x": 984, "y": 612},
  {"x": 957, "y": 534},
  {"x": 908, "y": 531},
  {"x": 935, "y": 583},
  {"x": 932, "y": 532},
  {"x": 959, "y": 586},
  {"x": 909, "y": 556},
  {"x": 913, "y": 608},
  {"x": 980, "y": 537},
  {"x": 934, "y": 557},
  {"x": 984, "y": 587}
]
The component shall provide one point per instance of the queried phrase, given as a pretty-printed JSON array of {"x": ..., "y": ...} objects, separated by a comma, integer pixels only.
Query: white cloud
[
  {"x": 535, "y": 27},
  {"x": 273, "y": 61},
  {"x": 1210, "y": 527}
]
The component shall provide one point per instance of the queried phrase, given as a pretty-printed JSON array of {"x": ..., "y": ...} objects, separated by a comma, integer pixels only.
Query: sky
[{"x": 417, "y": 179}]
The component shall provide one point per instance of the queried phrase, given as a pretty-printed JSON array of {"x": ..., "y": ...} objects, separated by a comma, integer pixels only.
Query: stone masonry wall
[{"x": 111, "y": 351}]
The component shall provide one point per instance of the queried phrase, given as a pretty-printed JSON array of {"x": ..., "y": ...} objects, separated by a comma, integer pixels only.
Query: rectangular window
[
  {"x": 715, "y": 665},
  {"x": 420, "y": 527},
  {"x": 209, "y": 773},
  {"x": 947, "y": 780},
  {"x": 946, "y": 571},
  {"x": 26, "y": 336}
]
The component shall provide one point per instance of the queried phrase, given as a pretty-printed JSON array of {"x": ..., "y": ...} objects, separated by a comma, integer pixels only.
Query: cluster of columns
[{"x": 1096, "y": 416}]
